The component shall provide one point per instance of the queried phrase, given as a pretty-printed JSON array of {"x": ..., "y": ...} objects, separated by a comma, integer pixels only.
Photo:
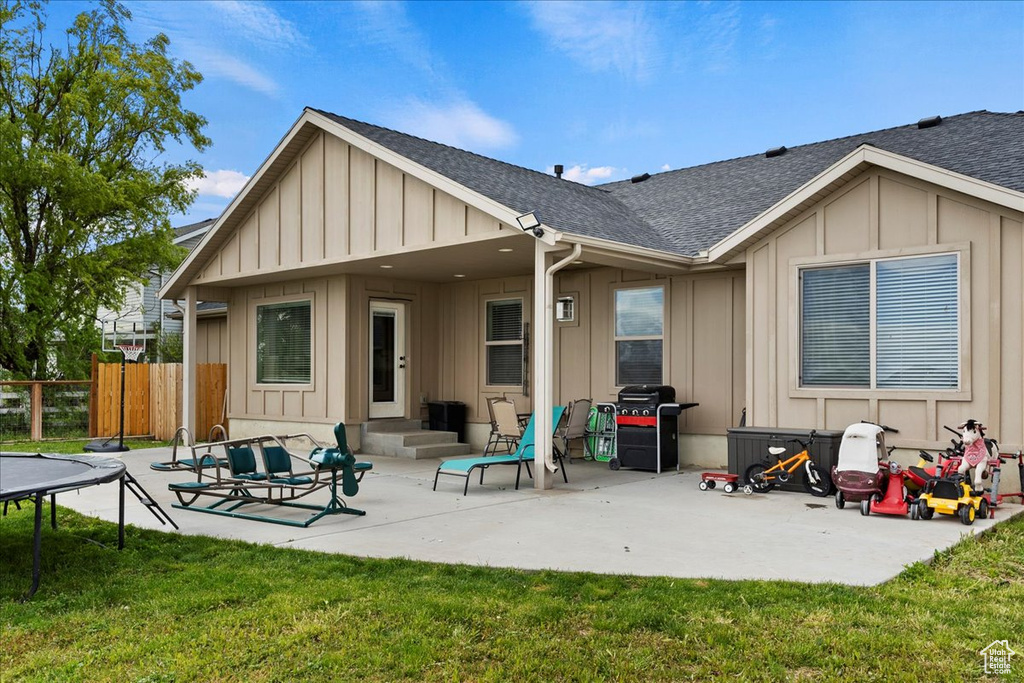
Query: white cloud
[
  {"x": 228, "y": 40},
  {"x": 387, "y": 25},
  {"x": 460, "y": 124},
  {"x": 585, "y": 175},
  {"x": 221, "y": 183},
  {"x": 601, "y": 36},
  {"x": 665, "y": 167},
  {"x": 211, "y": 62},
  {"x": 260, "y": 23}
]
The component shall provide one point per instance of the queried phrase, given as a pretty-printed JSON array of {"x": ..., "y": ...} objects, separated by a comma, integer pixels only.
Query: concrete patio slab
[{"x": 624, "y": 522}]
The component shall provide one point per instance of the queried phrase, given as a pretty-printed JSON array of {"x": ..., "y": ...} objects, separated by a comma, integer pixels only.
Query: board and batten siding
[
  {"x": 337, "y": 203},
  {"x": 212, "y": 340},
  {"x": 884, "y": 214}
]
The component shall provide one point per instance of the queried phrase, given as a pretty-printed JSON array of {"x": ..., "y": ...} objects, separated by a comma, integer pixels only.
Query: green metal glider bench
[
  {"x": 242, "y": 481},
  {"x": 463, "y": 467}
]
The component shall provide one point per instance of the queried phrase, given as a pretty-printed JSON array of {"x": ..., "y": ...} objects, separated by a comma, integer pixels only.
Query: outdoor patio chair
[
  {"x": 574, "y": 427},
  {"x": 505, "y": 428},
  {"x": 463, "y": 467}
]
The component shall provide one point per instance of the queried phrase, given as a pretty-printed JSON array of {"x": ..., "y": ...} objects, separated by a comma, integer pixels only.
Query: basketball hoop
[{"x": 131, "y": 351}]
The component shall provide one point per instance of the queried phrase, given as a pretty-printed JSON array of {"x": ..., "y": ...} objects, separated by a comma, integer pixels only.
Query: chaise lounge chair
[{"x": 463, "y": 467}]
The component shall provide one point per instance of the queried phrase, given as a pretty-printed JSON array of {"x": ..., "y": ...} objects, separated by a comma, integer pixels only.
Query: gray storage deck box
[{"x": 748, "y": 445}]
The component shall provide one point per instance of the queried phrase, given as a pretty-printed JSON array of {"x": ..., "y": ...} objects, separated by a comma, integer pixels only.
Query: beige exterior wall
[
  {"x": 884, "y": 214},
  {"x": 704, "y": 333},
  {"x": 336, "y": 203},
  {"x": 212, "y": 340}
]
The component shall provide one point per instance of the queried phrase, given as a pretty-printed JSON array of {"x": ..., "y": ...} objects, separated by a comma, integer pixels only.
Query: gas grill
[{"x": 647, "y": 428}]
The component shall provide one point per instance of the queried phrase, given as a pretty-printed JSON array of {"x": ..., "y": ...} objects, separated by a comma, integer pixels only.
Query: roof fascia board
[
  {"x": 991, "y": 192},
  {"x": 654, "y": 257},
  {"x": 172, "y": 285},
  {"x": 495, "y": 209}
]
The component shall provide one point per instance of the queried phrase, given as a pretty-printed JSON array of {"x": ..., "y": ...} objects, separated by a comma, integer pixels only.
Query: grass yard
[
  {"x": 180, "y": 608},
  {"x": 72, "y": 446}
]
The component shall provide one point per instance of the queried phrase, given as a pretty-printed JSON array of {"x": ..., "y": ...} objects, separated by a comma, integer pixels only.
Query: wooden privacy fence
[{"x": 153, "y": 398}]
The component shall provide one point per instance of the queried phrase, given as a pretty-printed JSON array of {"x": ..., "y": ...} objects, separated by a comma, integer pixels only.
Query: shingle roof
[
  {"x": 192, "y": 227},
  {"x": 691, "y": 209},
  {"x": 697, "y": 207},
  {"x": 561, "y": 204}
]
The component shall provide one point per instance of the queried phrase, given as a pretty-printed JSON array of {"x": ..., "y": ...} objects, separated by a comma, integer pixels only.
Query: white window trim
[
  {"x": 664, "y": 337},
  {"x": 253, "y": 369},
  {"x": 518, "y": 342},
  {"x": 964, "y": 393}
]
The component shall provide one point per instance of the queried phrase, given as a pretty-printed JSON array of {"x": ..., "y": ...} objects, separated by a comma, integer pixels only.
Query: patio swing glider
[{"x": 259, "y": 471}]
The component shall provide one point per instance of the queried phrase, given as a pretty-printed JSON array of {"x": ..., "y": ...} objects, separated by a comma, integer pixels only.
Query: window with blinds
[
  {"x": 917, "y": 337},
  {"x": 908, "y": 306},
  {"x": 504, "y": 342},
  {"x": 639, "y": 335},
  {"x": 836, "y": 329},
  {"x": 283, "y": 343}
]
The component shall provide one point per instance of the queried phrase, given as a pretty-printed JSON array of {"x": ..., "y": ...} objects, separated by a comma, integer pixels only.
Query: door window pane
[{"x": 383, "y": 371}]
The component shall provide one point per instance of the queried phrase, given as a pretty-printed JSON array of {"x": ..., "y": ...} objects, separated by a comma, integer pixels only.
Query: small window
[
  {"x": 283, "y": 343},
  {"x": 909, "y": 307},
  {"x": 639, "y": 335},
  {"x": 504, "y": 342}
]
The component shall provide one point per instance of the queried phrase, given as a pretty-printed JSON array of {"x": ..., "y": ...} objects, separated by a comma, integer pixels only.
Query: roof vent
[
  {"x": 639, "y": 178},
  {"x": 559, "y": 169},
  {"x": 775, "y": 152},
  {"x": 929, "y": 122}
]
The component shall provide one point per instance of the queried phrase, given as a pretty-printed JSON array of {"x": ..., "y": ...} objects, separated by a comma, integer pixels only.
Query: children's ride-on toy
[
  {"x": 708, "y": 479},
  {"x": 950, "y": 496},
  {"x": 895, "y": 500},
  {"x": 858, "y": 472}
]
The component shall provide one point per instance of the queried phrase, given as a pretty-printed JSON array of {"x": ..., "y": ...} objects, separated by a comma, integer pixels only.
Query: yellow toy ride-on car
[{"x": 950, "y": 496}]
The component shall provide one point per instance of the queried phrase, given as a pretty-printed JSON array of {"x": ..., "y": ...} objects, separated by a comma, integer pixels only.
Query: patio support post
[
  {"x": 542, "y": 383},
  {"x": 188, "y": 365}
]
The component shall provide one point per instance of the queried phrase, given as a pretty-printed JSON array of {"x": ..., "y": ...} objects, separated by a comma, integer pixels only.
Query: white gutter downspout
[{"x": 544, "y": 278}]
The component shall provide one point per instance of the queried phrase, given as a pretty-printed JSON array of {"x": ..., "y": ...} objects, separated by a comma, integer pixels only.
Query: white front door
[{"x": 387, "y": 359}]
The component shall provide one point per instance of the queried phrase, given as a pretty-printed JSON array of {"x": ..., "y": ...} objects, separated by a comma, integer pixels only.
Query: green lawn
[
  {"x": 66, "y": 446},
  {"x": 179, "y": 608}
]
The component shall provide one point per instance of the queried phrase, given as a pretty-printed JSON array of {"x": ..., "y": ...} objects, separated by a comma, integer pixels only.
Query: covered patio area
[{"x": 625, "y": 522}]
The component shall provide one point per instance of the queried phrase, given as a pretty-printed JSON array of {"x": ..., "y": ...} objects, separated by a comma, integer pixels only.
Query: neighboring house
[
  {"x": 142, "y": 307},
  {"x": 874, "y": 277}
]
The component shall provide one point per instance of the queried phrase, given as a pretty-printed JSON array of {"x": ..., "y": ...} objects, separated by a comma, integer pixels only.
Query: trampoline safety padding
[{"x": 31, "y": 477}]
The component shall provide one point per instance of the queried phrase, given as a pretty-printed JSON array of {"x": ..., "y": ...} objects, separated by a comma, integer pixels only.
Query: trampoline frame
[{"x": 117, "y": 471}]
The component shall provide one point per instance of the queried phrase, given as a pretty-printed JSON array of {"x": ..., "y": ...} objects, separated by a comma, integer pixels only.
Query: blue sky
[{"x": 609, "y": 89}]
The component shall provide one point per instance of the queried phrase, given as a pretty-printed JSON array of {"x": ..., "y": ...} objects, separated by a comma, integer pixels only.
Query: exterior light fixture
[
  {"x": 530, "y": 223},
  {"x": 458, "y": 275},
  {"x": 505, "y": 250},
  {"x": 386, "y": 266}
]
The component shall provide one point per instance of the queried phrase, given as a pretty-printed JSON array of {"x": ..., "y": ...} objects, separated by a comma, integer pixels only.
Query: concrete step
[
  {"x": 441, "y": 450},
  {"x": 389, "y": 443},
  {"x": 397, "y": 424}
]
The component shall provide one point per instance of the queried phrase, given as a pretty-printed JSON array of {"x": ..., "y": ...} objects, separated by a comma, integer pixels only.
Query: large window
[
  {"x": 908, "y": 308},
  {"x": 639, "y": 335},
  {"x": 283, "y": 343},
  {"x": 504, "y": 342}
]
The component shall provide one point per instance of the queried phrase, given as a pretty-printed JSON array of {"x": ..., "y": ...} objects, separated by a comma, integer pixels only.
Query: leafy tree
[{"x": 85, "y": 190}]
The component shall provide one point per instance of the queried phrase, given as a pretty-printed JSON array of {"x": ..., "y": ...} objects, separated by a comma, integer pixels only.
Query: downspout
[{"x": 546, "y": 381}]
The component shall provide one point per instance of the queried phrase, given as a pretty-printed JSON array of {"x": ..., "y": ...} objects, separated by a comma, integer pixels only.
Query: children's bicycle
[{"x": 763, "y": 476}]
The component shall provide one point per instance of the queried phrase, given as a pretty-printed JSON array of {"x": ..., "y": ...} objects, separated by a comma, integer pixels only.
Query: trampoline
[{"x": 30, "y": 477}]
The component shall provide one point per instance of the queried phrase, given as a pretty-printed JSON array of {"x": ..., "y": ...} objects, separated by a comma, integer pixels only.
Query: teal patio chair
[{"x": 463, "y": 467}]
